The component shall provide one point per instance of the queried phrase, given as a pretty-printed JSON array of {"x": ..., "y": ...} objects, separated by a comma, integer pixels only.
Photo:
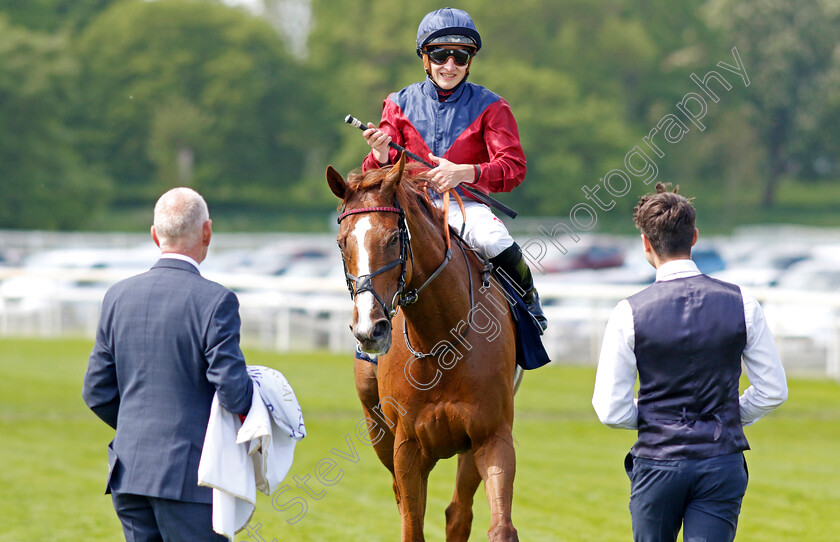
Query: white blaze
[{"x": 365, "y": 300}]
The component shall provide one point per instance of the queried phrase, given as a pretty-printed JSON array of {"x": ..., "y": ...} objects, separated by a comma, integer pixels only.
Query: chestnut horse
[{"x": 444, "y": 383}]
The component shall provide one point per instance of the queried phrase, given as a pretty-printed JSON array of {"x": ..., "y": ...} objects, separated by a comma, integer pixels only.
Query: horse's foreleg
[
  {"x": 381, "y": 436},
  {"x": 459, "y": 514},
  {"x": 496, "y": 462},
  {"x": 411, "y": 467}
]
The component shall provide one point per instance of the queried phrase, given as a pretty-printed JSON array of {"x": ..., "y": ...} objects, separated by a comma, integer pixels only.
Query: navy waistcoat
[{"x": 689, "y": 337}]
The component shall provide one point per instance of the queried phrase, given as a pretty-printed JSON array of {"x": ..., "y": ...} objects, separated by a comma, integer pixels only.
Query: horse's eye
[{"x": 394, "y": 240}]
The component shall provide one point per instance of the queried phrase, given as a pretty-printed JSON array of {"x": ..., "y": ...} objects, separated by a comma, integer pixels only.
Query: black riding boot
[{"x": 514, "y": 266}]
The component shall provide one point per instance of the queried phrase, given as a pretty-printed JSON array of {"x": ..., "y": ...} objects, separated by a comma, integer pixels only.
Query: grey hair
[{"x": 179, "y": 215}]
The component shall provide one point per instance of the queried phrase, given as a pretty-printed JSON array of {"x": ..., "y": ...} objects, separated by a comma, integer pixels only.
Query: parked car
[
  {"x": 600, "y": 254},
  {"x": 707, "y": 258},
  {"x": 816, "y": 321},
  {"x": 764, "y": 265}
]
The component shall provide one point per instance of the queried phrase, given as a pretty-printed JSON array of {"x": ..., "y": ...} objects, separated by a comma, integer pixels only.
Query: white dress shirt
[
  {"x": 182, "y": 257},
  {"x": 614, "y": 397}
]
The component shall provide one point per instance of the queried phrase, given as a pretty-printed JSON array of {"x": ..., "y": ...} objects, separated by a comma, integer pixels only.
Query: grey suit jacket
[{"x": 167, "y": 340}]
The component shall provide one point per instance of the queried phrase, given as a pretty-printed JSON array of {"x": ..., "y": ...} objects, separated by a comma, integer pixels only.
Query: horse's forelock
[{"x": 409, "y": 193}]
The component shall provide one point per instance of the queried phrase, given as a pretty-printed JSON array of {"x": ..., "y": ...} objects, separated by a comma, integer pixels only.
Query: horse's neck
[{"x": 445, "y": 300}]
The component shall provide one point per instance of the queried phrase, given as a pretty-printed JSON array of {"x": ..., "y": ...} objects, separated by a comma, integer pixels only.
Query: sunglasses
[{"x": 440, "y": 55}]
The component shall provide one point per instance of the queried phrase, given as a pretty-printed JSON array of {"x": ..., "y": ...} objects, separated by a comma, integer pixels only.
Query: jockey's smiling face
[{"x": 447, "y": 70}]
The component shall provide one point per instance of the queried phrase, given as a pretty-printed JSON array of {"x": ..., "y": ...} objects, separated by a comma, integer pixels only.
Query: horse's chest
[{"x": 442, "y": 429}]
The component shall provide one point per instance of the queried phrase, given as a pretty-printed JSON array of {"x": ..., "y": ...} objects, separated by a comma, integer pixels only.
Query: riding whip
[{"x": 477, "y": 194}]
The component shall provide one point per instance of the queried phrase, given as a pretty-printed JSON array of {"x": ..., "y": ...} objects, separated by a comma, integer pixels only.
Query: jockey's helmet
[{"x": 448, "y": 26}]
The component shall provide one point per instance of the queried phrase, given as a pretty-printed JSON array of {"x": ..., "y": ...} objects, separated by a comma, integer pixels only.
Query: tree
[
  {"x": 175, "y": 133},
  {"x": 53, "y": 15},
  {"x": 210, "y": 80},
  {"x": 787, "y": 49},
  {"x": 45, "y": 183}
]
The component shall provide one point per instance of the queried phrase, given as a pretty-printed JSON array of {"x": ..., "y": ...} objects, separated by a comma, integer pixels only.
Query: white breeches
[{"x": 483, "y": 231}]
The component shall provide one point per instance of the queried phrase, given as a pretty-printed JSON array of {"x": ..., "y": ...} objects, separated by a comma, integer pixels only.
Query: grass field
[{"x": 570, "y": 483}]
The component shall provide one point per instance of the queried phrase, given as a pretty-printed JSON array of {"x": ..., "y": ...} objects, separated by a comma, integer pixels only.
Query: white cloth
[
  {"x": 240, "y": 458},
  {"x": 614, "y": 396}
]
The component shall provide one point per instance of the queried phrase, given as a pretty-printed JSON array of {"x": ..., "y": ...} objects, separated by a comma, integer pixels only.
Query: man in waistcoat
[{"x": 686, "y": 337}]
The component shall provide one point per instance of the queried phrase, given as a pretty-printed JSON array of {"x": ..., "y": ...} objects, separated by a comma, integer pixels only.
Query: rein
[{"x": 463, "y": 336}]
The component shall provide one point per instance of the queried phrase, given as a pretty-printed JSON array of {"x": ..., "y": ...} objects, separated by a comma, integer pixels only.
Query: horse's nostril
[{"x": 380, "y": 330}]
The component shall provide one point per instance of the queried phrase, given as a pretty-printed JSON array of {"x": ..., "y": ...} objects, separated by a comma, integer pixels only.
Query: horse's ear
[
  {"x": 336, "y": 182},
  {"x": 392, "y": 180}
]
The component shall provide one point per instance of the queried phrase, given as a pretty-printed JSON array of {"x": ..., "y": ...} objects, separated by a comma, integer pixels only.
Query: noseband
[{"x": 357, "y": 285}]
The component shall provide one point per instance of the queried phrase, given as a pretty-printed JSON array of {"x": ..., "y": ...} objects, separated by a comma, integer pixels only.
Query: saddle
[{"x": 530, "y": 352}]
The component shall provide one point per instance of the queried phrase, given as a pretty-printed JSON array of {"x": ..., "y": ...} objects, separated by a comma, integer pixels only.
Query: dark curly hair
[{"x": 667, "y": 220}]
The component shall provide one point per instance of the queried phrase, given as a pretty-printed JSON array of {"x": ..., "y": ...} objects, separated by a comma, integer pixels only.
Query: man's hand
[
  {"x": 378, "y": 141},
  {"x": 447, "y": 175}
]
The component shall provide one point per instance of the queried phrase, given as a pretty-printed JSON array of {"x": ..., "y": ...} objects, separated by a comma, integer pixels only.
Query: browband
[{"x": 345, "y": 214}]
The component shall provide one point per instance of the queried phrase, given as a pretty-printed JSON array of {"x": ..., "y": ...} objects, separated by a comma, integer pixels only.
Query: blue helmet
[{"x": 447, "y": 25}]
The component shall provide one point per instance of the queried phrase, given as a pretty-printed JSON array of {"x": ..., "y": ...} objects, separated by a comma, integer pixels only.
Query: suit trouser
[
  {"x": 152, "y": 519},
  {"x": 702, "y": 495}
]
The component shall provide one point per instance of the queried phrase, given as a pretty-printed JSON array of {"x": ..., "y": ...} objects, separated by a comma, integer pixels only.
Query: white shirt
[
  {"x": 182, "y": 257},
  {"x": 614, "y": 397}
]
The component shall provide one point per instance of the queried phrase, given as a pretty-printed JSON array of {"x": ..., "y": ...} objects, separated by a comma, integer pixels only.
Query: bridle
[{"x": 357, "y": 285}]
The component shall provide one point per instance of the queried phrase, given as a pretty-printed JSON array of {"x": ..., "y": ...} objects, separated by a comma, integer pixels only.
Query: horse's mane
[{"x": 410, "y": 192}]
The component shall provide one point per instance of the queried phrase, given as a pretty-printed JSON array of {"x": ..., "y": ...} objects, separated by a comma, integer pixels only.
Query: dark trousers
[
  {"x": 702, "y": 495},
  {"x": 151, "y": 519}
]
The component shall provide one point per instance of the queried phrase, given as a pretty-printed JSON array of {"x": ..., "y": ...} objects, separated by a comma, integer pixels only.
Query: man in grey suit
[{"x": 167, "y": 340}]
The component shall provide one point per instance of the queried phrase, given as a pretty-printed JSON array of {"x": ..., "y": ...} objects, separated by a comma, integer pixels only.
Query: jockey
[{"x": 466, "y": 130}]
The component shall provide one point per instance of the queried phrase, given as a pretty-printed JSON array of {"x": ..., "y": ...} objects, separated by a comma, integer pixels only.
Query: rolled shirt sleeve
[
  {"x": 768, "y": 383},
  {"x": 614, "y": 396}
]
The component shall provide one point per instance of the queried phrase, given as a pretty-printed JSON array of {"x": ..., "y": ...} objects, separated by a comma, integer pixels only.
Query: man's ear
[
  {"x": 696, "y": 234},
  {"x": 646, "y": 244},
  {"x": 206, "y": 232},
  {"x": 155, "y": 237}
]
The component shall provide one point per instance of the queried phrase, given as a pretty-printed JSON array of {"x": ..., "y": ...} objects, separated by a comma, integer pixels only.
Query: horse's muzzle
[{"x": 376, "y": 339}]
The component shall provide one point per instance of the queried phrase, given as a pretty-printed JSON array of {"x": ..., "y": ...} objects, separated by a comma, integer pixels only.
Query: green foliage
[
  {"x": 362, "y": 52},
  {"x": 45, "y": 183},
  {"x": 570, "y": 139},
  {"x": 53, "y": 15},
  {"x": 168, "y": 76},
  {"x": 790, "y": 52},
  {"x": 176, "y": 131},
  {"x": 117, "y": 100}
]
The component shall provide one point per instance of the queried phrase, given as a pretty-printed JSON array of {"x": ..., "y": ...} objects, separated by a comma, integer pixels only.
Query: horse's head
[{"x": 373, "y": 240}]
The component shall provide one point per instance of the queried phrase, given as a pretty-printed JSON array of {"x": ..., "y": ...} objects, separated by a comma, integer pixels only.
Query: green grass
[{"x": 570, "y": 483}]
